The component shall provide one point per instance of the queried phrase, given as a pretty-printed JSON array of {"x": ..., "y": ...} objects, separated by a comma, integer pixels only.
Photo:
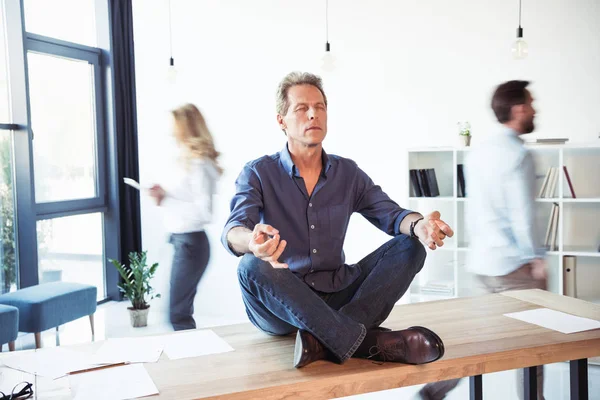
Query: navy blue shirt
[{"x": 271, "y": 191}]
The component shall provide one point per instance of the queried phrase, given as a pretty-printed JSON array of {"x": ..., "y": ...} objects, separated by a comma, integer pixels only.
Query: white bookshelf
[{"x": 578, "y": 225}]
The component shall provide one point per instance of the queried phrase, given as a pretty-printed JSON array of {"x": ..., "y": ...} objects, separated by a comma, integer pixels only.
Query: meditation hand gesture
[
  {"x": 266, "y": 245},
  {"x": 432, "y": 231}
]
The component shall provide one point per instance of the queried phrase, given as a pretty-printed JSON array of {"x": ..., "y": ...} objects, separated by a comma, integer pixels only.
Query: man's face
[
  {"x": 306, "y": 117},
  {"x": 527, "y": 114}
]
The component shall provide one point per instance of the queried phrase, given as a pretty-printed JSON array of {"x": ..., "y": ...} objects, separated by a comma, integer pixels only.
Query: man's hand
[
  {"x": 432, "y": 231},
  {"x": 538, "y": 269},
  {"x": 265, "y": 244}
]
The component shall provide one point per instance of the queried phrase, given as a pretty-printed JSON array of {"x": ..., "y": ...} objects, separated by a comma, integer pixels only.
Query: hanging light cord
[
  {"x": 327, "y": 21},
  {"x": 170, "y": 35},
  {"x": 519, "y": 13}
]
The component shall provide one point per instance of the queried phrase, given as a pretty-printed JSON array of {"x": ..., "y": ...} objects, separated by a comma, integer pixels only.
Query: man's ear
[{"x": 281, "y": 122}]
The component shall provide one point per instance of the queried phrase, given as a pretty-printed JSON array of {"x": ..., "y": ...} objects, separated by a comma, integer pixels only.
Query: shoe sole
[
  {"x": 298, "y": 350},
  {"x": 439, "y": 340}
]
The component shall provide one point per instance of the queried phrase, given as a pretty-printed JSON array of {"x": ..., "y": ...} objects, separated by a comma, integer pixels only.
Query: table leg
[
  {"x": 476, "y": 387},
  {"x": 579, "y": 379},
  {"x": 531, "y": 383}
]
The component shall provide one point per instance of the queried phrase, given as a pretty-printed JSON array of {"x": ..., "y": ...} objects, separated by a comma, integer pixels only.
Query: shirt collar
[
  {"x": 511, "y": 133},
  {"x": 290, "y": 168}
]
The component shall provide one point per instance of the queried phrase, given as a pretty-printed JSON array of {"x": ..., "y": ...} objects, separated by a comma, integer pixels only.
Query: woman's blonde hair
[{"x": 194, "y": 135}]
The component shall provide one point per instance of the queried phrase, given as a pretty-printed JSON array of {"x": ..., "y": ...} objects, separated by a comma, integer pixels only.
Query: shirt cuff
[
  {"x": 225, "y": 242},
  {"x": 399, "y": 219}
]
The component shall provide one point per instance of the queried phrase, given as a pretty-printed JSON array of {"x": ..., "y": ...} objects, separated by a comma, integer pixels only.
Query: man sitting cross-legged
[{"x": 289, "y": 218}]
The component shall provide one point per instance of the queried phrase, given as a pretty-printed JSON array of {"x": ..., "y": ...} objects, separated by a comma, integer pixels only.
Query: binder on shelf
[
  {"x": 432, "y": 180},
  {"x": 414, "y": 180},
  {"x": 423, "y": 183},
  {"x": 569, "y": 276}
]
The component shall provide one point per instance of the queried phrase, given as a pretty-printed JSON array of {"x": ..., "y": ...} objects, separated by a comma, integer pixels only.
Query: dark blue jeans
[
  {"x": 279, "y": 303},
  {"x": 190, "y": 259}
]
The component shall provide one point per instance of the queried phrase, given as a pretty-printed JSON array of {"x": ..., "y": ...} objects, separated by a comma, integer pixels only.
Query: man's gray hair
[{"x": 293, "y": 79}]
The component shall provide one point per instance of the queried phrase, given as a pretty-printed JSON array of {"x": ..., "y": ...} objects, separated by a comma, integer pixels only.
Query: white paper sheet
[
  {"x": 52, "y": 363},
  {"x": 194, "y": 344},
  {"x": 129, "y": 350},
  {"x": 9, "y": 378},
  {"x": 556, "y": 320},
  {"x": 115, "y": 383},
  {"x": 133, "y": 183}
]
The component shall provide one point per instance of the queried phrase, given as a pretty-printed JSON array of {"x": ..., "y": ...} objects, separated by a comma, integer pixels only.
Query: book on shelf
[
  {"x": 569, "y": 181},
  {"x": 569, "y": 276},
  {"x": 552, "y": 229},
  {"x": 424, "y": 182},
  {"x": 547, "y": 141},
  {"x": 461, "y": 181},
  {"x": 438, "y": 287},
  {"x": 548, "y": 188}
]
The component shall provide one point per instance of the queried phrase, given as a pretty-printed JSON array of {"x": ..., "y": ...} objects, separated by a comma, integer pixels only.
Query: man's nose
[{"x": 311, "y": 113}]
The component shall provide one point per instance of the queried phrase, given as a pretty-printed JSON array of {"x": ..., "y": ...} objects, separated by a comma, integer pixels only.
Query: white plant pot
[
  {"x": 465, "y": 140},
  {"x": 139, "y": 318}
]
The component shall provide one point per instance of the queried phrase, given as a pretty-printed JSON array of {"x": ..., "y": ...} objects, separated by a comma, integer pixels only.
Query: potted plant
[
  {"x": 135, "y": 285},
  {"x": 464, "y": 131}
]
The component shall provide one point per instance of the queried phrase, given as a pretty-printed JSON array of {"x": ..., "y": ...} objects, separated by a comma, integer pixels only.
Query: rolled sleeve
[
  {"x": 399, "y": 219},
  {"x": 245, "y": 206}
]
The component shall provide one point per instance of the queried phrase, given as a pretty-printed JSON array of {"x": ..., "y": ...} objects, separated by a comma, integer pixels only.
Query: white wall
[{"x": 407, "y": 71}]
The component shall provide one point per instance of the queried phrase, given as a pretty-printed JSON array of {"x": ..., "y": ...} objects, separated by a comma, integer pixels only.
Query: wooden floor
[{"x": 477, "y": 337}]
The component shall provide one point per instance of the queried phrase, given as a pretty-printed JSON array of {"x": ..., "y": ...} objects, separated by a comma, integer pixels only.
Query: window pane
[
  {"x": 71, "y": 249},
  {"x": 71, "y": 20},
  {"x": 8, "y": 250},
  {"x": 63, "y": 123},
  {"x": 5, "y": 116}
]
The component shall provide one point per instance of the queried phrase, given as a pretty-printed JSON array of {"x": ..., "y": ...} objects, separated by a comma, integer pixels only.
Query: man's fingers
[
  {"x": 436, "y": 239},
  {"x": 264, "y": 228},
  {"x": 279, "y": 265},
  {"x": 434, "y": 215},
  {"x": 444, "y": 227},
  {"x": 275, "y": 256},
  {"x": 268, "y": 247}
]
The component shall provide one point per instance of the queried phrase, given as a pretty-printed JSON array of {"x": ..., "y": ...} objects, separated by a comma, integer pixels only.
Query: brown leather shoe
[
  {"x": 415, "y": 345},
  {"x": 308, "y": 349}
]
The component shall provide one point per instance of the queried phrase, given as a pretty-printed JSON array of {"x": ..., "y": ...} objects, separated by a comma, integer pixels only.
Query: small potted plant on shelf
[
  {"x": 135, "y": 285},
  {"x": 464, "y": 131}
]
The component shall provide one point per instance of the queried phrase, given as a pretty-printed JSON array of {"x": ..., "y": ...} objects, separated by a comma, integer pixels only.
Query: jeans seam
[
  {"x": 363, "y": 333},
  {"x": 346, "y": 356}
]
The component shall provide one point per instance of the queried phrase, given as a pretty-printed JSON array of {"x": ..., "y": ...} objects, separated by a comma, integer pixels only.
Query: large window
[
  {"x": 54, "y": 186},
  {"x": 8, "y": 250}
]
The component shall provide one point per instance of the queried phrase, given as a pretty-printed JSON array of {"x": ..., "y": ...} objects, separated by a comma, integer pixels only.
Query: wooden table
[{"x": 478, "y": 340}]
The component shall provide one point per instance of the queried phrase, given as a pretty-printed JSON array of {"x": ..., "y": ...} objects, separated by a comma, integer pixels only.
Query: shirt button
[
  {"x": 312, "y": 227},
  {"x": 312, "y": 270},
  {"x": 310, "y": 204},
  {"x": 313, "y": 284},
  {"x": 314, "y": 251}
]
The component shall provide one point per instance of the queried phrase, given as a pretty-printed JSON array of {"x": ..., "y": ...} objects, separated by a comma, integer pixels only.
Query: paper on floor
[
  {"x": 129, "y": 350},
  {"x": 556, "y": 320},
  {"x": 52, "y": 363},
  {"x": 115, "y": 383},
  {"x": 194, "y": 344}
]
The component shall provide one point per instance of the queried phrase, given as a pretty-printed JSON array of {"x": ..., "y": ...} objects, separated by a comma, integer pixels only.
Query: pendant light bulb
[
  {"x": 328, "y": 60},
  {"x": 172, "y": 72},
  {"x": 520, "y": 50}
]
